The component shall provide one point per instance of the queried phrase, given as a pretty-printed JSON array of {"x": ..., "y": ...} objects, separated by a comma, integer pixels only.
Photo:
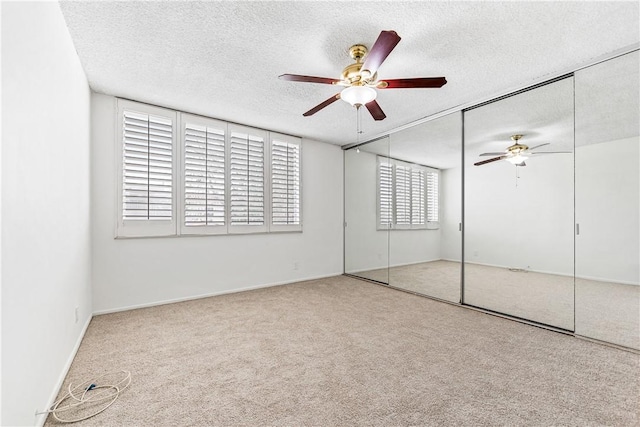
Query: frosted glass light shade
[
  {"x": 517, "y": 159},
  {"x": 358, "y": 95}
]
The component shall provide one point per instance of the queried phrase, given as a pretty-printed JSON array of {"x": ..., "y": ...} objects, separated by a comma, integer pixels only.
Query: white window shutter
[
  {"x": 433, "y": 205},
  {"x": 385, "y": 193},
  {"x": 417, "y": 197},
  {"x": 403, "y": 195},
  {"x": 247, "y": 178},
  {"x": 285, "y": 183},
  {"x": 204, "y": 176},
  {"x": 146, "y": 176}
]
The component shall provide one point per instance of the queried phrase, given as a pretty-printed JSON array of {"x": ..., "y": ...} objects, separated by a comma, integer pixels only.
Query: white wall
[
  {"x": 46, "y": 251},
  {"x": 527, "y": 226},
  {"x": 366, "y": 247},
  {"x": 137, "y": 272},
  {"x": 608, "y": 211}
]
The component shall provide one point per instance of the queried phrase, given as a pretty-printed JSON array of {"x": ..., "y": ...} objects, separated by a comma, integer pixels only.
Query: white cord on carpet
[{"x": 86, "y": 398}]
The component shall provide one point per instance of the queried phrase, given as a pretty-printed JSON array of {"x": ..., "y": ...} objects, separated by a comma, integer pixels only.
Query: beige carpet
[
  {"x": 343, "y": 352},
  {"x": 603, "y": 310}
]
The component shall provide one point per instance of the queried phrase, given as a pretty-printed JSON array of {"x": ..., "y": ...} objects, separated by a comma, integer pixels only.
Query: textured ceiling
[{"x": 222, "y": 59}]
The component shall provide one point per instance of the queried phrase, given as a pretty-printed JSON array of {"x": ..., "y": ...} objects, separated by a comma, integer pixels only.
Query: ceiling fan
[
  {"x": 517, "y": 153},
  {"x": 361, "y": 78}
]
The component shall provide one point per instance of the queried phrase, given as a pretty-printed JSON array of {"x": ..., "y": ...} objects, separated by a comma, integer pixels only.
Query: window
[
  {"x": 407, "y": 195},
  {"x": 285, "y": 183},
  {"x": 247, "y": 179},
  {"x": 146, "y": 171},
  {"x": 206, "y": 175}
]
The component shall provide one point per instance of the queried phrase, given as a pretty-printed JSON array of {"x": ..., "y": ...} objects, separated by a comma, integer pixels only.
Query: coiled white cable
[{"x": 104, "y": 397}]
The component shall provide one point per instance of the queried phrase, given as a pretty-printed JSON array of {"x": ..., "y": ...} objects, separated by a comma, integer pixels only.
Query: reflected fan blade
[
  {"x": 552, "y": 152},
  {"x": 307, "y": 79},
  {"x": 320, "y": 106},
  {"x": 418, "y": 82},
  {"x": 537, "y": 146},
  {"x": 484, "y": 162},
  {"x": 375, "y": 110},
  {"x": 387, "y": 41},
  {"x": 493, "y": 154}
]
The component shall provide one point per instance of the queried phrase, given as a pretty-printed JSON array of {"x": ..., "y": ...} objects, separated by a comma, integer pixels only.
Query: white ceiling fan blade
[
  {"x": 552, "y": 152},
  {"x": 502, "y": 153},
  {"x": 538, "y": 146}
]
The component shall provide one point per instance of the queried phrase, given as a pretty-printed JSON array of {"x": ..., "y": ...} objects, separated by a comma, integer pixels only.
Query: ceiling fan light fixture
[
  {"x": 517, "y": 159},
  {"x": 358, "y": 95}
]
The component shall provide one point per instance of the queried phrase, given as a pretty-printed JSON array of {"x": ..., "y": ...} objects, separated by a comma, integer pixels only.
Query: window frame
[{"x": 143, "y": 228}]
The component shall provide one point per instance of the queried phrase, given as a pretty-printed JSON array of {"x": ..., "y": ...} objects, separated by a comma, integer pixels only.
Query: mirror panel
[
  {"x": 519, "y": 238},
  {"x": 608, "y": 201},
  {"x": 366, "y": 237},
  {"x": 425, "y": 241}
]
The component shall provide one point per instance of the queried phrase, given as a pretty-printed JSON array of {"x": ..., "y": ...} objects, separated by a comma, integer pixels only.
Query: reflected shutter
[
  {"x": 403, "y": 195},
  {"x": 417, "y": 197},
  {"x": 432, "y": 197},
  {"x": 385, "y": 193}
]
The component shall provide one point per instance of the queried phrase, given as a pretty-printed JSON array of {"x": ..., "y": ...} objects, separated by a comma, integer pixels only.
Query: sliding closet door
[
  {"x": 368, "y": 215},
  {"x": 425, "y": 238},
  {"x": 518, "y": 210},
  {"x": 608, "y": 201}
]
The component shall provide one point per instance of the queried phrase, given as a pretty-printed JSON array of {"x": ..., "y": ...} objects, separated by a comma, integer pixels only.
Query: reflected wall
[
  {"x": 608, "y": 201},
  {"x": 366, "y": 240},
  {"x": 553, "y": 238},
  {"x": 519, "y": 205},
  {"x": 424, "y": 250}
]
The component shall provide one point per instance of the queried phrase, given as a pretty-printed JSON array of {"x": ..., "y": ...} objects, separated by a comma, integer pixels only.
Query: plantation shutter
[
  {"x": 147, "y": 167},
  {"x": 285, "y": 183},
  {"x": 247, "y": 178},
  {"x": 417, "y": 197},
  {"x": 433, "y": 207},
  {"x": 204, "y": 175},
  {"x": 146, "y": 171},
  {"x": 385, "y": 193},
  {"x": 403, "y": 195}
]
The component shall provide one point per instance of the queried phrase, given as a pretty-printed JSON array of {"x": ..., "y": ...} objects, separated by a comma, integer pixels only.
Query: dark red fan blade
[
  {"x": 414, "y": 83},
  {"x": 307, "y": 79},
  {"x": 484, "y": 162},
  {"x": 387, "y": 41},
  {"x": 375, "y": 110},
  {"x": 320, "y": 106}
]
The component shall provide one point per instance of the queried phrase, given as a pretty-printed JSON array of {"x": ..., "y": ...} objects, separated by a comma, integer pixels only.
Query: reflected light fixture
[{"x": 358, "y": 95}]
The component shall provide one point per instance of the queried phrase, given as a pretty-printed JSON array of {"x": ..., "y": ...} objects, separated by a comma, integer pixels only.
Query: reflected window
[{"x": 408, "y": 195}]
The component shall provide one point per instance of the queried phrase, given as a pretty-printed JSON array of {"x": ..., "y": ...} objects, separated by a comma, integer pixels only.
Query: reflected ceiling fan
[
  {"x": 361, "y": 78},
  {"x": 517, "y": 153}
]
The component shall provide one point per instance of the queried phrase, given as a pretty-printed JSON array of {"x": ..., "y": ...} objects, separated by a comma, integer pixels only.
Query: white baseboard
[
  {"x": 40, "y": 419},
  {"x": 211, "y": 294}
]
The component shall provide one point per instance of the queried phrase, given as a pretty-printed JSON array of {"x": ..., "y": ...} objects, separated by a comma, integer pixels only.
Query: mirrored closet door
[
  {"x": 608, "y": 201},
  {"x": 519, "y": 205},
  {"x": 425, "y": 237},
  {"x": 367, "y": 210}
]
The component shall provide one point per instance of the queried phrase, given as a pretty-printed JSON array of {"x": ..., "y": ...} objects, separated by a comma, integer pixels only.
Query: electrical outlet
[
  {"x": 475, "y": 253},
  {"x": 77, "y": 316},
  {"x": 295, "y": 265}
]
